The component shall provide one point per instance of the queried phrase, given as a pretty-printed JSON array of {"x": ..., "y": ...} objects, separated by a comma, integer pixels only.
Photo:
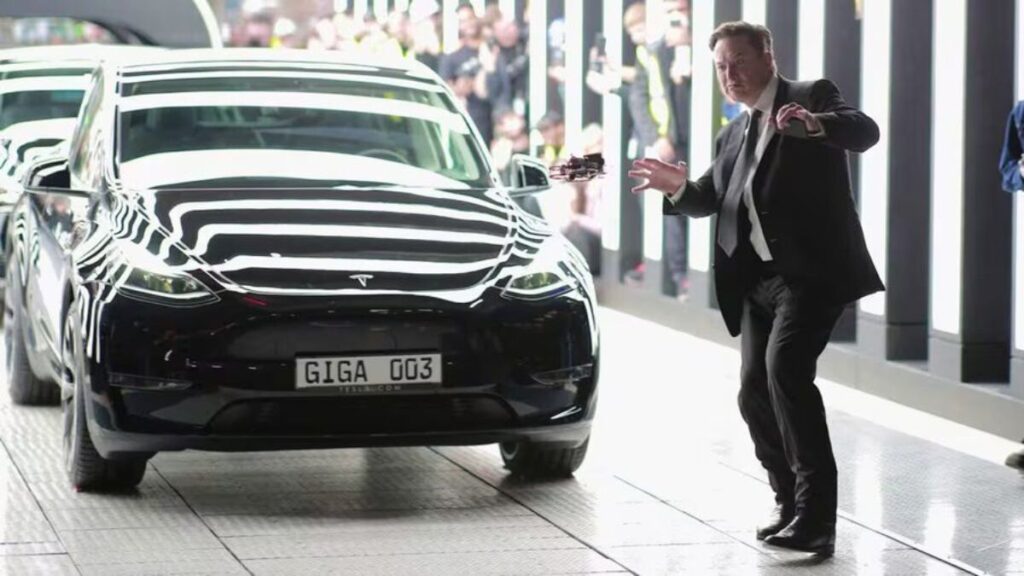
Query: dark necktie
[{"x": 732, "y": 206}]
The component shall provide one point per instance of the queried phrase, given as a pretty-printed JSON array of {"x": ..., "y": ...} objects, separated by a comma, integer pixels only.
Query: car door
[{"x": 57, "y": 220}]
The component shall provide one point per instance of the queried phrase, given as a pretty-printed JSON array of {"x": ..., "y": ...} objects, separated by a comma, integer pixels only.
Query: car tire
[
  {"x": 535, "y": 460},
  {"x": 23, "y": 385},
  {"x": 87, "y": 470}
]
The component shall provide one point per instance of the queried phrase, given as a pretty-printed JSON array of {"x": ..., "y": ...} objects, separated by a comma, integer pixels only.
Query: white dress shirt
[{"x": 765, "y": 132}]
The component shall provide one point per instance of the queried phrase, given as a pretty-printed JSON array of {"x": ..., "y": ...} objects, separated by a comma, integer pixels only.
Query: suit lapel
[{"x": 762, "y": 181}]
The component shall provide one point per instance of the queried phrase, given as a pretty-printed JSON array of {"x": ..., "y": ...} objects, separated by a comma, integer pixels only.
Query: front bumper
[{"x": 237, "y": 363}]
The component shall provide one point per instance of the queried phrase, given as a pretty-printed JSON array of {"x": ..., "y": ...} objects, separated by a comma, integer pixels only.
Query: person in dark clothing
[
  {"x": 790, "y": 254},
  {"x": 1011, "y": 167}
]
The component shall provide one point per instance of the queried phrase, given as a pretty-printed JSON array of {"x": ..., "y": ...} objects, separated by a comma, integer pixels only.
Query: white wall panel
[
  {"x": 811, "y": 43},
  {"x": 949, "y": 65},
  {"x": 702, "y": 113},
  {"x": 874, "y": 164},
  {"x": 508, "y": 9},
  {"x": 538, "y": 51},
  {"x": 449, "y": 25},
  {"x": 574, "y": 65},
  {"x": 755, "y": 11},
  {"x": 613, "y": 137}
]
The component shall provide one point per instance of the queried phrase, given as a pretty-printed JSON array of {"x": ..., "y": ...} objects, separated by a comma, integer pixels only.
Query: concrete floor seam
[
  {"x": 201, "y": 519},
  {"x": 539, "y": 515}
]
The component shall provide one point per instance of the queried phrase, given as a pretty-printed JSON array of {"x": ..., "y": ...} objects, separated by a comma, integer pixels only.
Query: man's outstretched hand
[{"x": 661, "y": 176}]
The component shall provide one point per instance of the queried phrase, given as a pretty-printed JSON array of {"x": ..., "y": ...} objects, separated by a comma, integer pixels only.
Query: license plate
[{"x": 368, "y": 373}]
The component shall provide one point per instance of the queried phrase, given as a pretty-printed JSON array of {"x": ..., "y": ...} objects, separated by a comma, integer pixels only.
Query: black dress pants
[{"x": 784, "y": 330}]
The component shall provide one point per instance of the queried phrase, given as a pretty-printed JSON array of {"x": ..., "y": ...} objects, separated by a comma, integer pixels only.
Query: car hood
[{"x": 346, "y": 240}]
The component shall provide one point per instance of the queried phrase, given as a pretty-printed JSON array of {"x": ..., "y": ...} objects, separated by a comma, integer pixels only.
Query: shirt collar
[{"x": 766, "y": 101}]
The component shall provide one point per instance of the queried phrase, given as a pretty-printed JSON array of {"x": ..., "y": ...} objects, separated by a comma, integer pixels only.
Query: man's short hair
[{"x": 760, "y": 38}]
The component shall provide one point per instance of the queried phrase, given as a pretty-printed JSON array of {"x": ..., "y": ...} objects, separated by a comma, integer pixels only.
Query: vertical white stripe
[
  {"x": 508, "y": 9},
  {"x": 754, "y": 11},
  {"x": 613, "y": 137},
  {"x": 449, "y": 25},
  {"x": 811, "y": 43},
  {"x": 874, "y": 165},
  {"x": 655, "y": 20},
  {"x": 478, "y": 7},
  {"x": 653, "y": 219},
  {"x": 538, "y": 50},
  {"x": 702, "y": 130},
  {"x": 574, "y": 59},
  {"x": 949, "y": 65},
  {"x": 340, "y": 5},
  {"x": 210, "y": 22},
  {"x": 359, "y": 9},
  {"x": 380, "y": 9},
  {"x": 654, "y": 224},
  {"x": 402, "y": 5}
]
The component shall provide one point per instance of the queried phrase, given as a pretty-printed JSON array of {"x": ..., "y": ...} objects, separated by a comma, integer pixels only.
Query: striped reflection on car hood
[{"x": 331, "y": 241}]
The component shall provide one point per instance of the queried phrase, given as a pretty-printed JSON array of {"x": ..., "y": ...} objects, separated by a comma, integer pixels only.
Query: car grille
[{"x": 361, "y": 415}]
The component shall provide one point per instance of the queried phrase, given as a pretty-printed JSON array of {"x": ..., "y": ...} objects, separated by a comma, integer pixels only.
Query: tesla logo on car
[{"x": 362, "y": 278}]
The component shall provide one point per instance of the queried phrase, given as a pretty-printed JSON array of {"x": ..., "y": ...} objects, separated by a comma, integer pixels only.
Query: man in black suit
[{"x": 790, "y": 255}]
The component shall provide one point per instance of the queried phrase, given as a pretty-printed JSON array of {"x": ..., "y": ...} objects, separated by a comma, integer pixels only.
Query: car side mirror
[
  {"x": 528, "y": 176},
  {"x": 49, "y": 174}
]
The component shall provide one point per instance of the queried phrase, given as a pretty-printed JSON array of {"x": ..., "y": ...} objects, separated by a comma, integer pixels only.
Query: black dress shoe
[
  {"x": 1016, "y": 460},
  {"x": 806, "y": 535},
  {"x": 780, "y": 517}
]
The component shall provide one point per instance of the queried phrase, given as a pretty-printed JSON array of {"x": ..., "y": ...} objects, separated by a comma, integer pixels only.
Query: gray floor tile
[
  {"x": 31, "y": 548},
  {"x": 452, "y": 540},
  {"x": 48, "y": 565},
  {"x": 222, "y": 564},
  {"x": 174, "y": 516},
  {"x": 508, "y": 517},
  {"x": 528, "y": 563}
]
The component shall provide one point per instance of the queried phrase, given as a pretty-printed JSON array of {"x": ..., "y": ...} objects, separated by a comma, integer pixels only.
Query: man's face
[
  {"x": 506, "y": 33},
  {"x": 638, "y": 34},
  {"x": 742, "y": 71}
]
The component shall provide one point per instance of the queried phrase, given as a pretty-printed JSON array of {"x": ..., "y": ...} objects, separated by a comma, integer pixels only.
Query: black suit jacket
[{"x": 804, "y": 202}]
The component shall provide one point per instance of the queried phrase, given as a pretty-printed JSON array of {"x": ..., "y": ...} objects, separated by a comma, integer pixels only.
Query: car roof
[
  {"x": 64, "y": 54},
  {"x": 209, "y": 59}
]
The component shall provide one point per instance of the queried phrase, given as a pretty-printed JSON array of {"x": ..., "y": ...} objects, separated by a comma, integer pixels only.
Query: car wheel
[
  {"x": 87, "y": 470},
  {"x": 535, "y": 460},
  {"x": 23, "y": 385}
]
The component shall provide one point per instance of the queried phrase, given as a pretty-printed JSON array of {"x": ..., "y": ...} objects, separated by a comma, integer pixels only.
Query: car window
[
  {"x": 85, "y": 145},
  {"x": 30, "y": 105},
  {"x": 375, "y": 131}
]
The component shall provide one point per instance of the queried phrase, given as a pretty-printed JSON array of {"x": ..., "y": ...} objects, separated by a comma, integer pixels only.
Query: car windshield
[
  {"x": 289, "y": 129},
  {"x": 31, "y": 105}
]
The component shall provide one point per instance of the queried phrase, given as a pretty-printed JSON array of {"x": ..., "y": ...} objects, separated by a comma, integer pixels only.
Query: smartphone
[
  {"x": 796, "y": 128},
  {"x": 600, "y": 44}
]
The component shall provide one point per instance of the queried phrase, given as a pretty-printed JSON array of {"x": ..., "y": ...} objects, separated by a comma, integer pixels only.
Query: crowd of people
[{"x": 488, "y": 71}]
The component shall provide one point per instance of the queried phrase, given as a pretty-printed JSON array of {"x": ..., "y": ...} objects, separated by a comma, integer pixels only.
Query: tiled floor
[{"x": 670, "y": 487}]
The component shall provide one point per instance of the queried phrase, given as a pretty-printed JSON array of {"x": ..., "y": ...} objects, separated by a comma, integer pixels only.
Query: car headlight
[
  {"x": 548, "y": 276},
  {"x": 146, "y": 277}
]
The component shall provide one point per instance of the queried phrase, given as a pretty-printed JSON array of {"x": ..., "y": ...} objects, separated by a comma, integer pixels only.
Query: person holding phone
[
  {"x": 789, "y": 255},
  {"x": 1011, "y": 167}
]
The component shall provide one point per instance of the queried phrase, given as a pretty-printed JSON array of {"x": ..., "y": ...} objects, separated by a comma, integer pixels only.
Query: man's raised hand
[{"x": 661, "y": 176}]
